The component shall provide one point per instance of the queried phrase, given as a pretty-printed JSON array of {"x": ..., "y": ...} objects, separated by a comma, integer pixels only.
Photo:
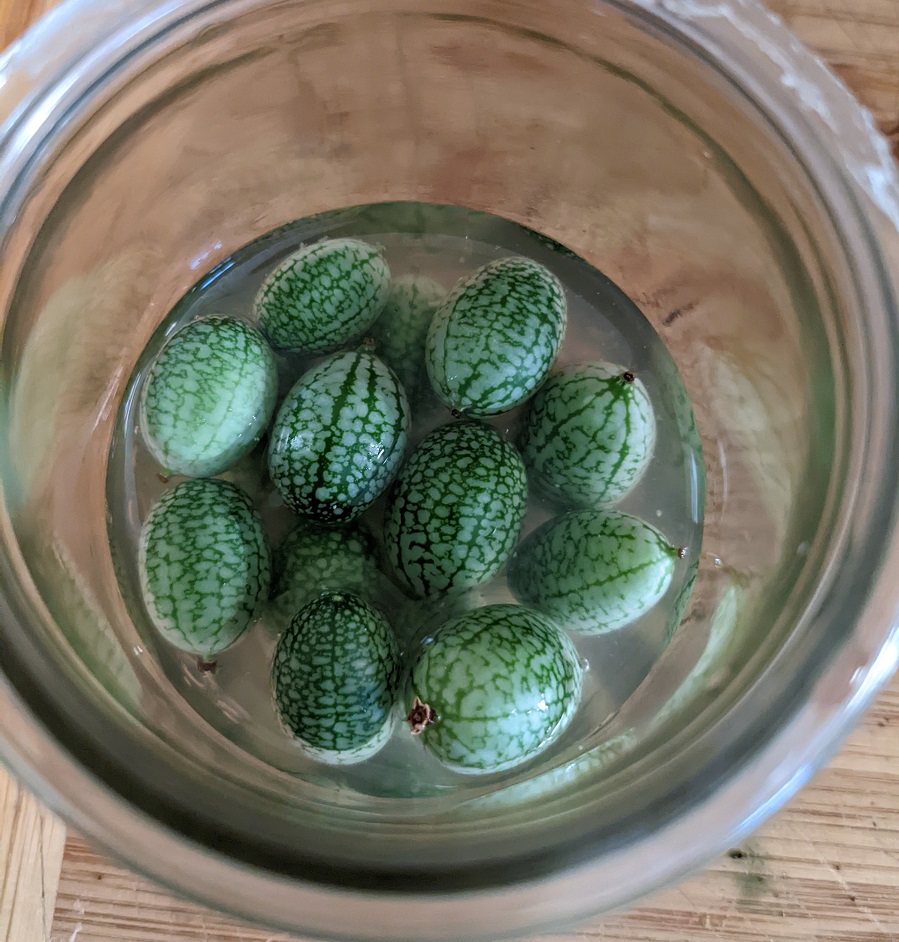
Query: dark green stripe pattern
[
  {"x": 589, "y": 434},
  {"x": 314, "y": 559},
  {"x": 496, "y": 337},
  {"x": 335, "y": 677},
  {"x": 400, "y": 333},
  {"x": 338, "y": 438},
  {"x": 323, "y": 296},
  {"x": 503, "y": 683},
  {"x": 593, "y": 571},
  {"x": 208, "y": 397},
  {"x": 204, "y": 565},
  {"x": 456, "y": 509}
]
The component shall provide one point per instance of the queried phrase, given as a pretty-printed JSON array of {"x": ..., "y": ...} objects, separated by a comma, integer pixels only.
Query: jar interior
[{"x": 587, "y": 123}]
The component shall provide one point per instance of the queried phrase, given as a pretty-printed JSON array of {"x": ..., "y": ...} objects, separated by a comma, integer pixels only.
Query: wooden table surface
[{"x": 826, "y": 868}]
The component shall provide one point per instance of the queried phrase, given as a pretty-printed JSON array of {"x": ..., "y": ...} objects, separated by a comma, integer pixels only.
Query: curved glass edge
[
  {"x": 813, "y": 86},
  {"x": 834, "y": 705},
  {"x": 52, "y": 46}
]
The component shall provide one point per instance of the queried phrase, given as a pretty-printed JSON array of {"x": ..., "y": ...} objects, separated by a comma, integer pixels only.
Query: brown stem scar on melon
[{"x": 420, "y": 716}]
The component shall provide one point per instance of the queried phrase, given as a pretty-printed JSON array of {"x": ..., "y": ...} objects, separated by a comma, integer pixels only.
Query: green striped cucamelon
[
  {"x": 335, "y": 676},
  {"x": 401, "y": 331},
  {"x": 589, "y": 434},
  {"x": 338, "y": 438},
  {"x": 455, "y": 510},
  {"x": 323, "y": 296},
  {"x": 558, "y": 777},
  {"x": 593, "y": 571},
  {"x": 495, "y": 338},
  {"x": 493, "y": 688},
  {"x": 208, "y": 397},
  {"x": 314, "y": 559},
  {"x": 204, "y": 565}
]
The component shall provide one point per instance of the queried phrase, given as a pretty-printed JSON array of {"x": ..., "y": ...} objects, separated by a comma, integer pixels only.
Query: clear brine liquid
[{"x": 444, "y": 243}]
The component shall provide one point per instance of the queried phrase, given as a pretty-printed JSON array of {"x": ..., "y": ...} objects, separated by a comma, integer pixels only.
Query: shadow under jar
[{"x": 716, "y": 173}]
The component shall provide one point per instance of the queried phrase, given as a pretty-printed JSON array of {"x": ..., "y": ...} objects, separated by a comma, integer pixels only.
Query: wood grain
[
  {"x": 825, "y": 869},
  {"x": 32, "y": 842},
  {"x": 859, "y": 39}
]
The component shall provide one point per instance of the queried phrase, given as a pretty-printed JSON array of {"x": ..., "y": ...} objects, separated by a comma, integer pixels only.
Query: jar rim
[{"x": 860, "y": 177}]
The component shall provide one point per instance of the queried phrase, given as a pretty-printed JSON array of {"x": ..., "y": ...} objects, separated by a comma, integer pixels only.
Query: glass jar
[{"x": 688, "y": 148}]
